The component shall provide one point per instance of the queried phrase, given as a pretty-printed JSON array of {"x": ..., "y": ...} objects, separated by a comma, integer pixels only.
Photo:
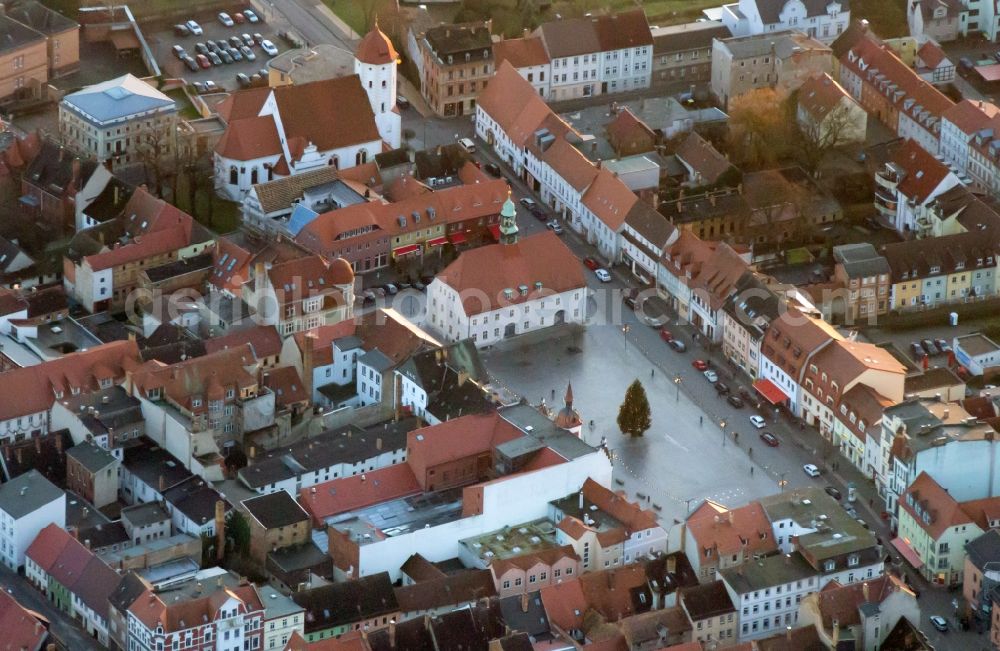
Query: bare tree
[
  {"x": 817, "y": 140},
  {"x": 758, "y": 126},
  {"x": 156, "y": 147}
]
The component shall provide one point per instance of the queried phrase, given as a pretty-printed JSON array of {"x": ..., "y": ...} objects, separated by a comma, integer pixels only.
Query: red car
[
  {"x": 769, "y": 438},
  {"x": 700, "y": 364},
  {"x": 239, "y": 18},
  {"x": 665, "y": 335},
  {"x": 203, "y": 61},
  {"x": 591, "y": 264}
]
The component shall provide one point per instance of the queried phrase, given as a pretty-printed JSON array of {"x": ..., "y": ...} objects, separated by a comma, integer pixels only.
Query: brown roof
[
  {"x": 22, "y": 629},
  {"x": 569, "y": 37},
  {"x": 841, "y": 603},
  {"x": 916, "y": 257},
  {"x": 625, "y": 29},
  {"x": 943, "y": 509},
  {"x": 931, "y": 54},
  {"x": 458, "y": 438},
  {"x": 729, "y": 531},
  {"x": 843, "y": 362},
  {"x": 420, "y": 569},
  {"x": 342, "y": 100},
  {"x": 866, "y": 404},
  {"x": 923, "y": 171},
  {"x": 611, "y": 592},
  {"x": 462, "y": 587},
  {"x": 311, "y": 274},
  {"x": 609, "y": 199},
  {"x": 280, "y": 193},
  {"x": 515, "y": 105},
  {"x": 627, "y": 129},
  {"x": 32, "y": 389},
  {"x": 570, "y": 164},
  {"x": 702, "y": 157},
  {"x": 191, "y": 612},
  {"x": 548, "y": 556},
  {"x": 630, "y": 514},
  {"x": 489, "y": 270},
  {"x": 820, "y": 95},
  {"x": 264, "y": 341},
  {"x": 792, "y": 337},
  {"x": 521, "y": 52},
  {"x": 350, "y": 493},
  {"x": 565, "y": 604},
  {"x": 706, "y": 600},
  {"x": 376, "y": 49},
  {"x": 47, "y": 546},
  {"x": 286, "y": 385},
  {"x": 971, "y": 115},
  {"x": 205, "y": 378}
]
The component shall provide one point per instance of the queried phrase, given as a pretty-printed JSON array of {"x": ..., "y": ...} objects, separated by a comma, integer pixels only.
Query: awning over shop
[
  {"x": 457, "y": 238},
  {"x": 437, "y": 241},
  {"x": 495, "y": 232},
  {"x": 405, "y": 250},
  {"x": 904, "y": 548},
  {"x": 770, "y": 391}
]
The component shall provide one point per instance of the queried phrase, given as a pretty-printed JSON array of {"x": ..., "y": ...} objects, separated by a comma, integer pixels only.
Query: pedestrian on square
[
  {"x": 701, "y": 420},
  {"x": 751, "y": 471}
]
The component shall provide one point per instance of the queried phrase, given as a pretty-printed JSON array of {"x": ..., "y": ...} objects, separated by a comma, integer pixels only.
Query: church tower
[
  {"x": 375, "y": 63},
  {"x": 508, "y": 221}
]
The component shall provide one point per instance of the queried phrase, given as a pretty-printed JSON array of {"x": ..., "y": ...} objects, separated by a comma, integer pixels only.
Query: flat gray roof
[{"x": 27, "y": 493}]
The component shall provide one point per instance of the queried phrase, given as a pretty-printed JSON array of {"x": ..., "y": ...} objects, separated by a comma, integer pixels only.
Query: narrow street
[{"x": 64, "y": 629}]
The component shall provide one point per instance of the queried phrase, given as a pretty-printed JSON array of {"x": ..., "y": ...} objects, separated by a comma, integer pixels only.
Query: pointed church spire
[
  {"x": 569, "y": 395},
  {"x": 508, "y": 221}
]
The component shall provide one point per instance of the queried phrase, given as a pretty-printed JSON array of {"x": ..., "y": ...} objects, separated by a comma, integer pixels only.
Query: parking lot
[{"x": 162, "y": 39}]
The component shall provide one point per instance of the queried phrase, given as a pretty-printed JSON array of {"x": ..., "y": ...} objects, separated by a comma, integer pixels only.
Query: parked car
[
  {"x": 203, "y": 61},
  {"x": 942, "y": 345},
  {"x": 811, "y": 470},
  {"x": 200, "y": 48},
  {"x": 493, "y": 170},
  {"x": 257, "y": 81},
  {"x": 833, "y": 492},
  {"x": 190, "y": 63},
  {"x": 239, "y": 18},
  {"x": 770, "y": 439},
  {"x": 555, "y": 227},
  {"x": 917, "y": 350},
  {"x": 233, "y": 52},
  {"x": 248, "y": 53},
  {"x": 700, "y": 364},
  {"x": 194, "y": 28},
  {"x": 590, "y": 263},
  {"x": 179, "y": 51},
  {"x": 602, "y": 275},
  {"x": 404, "y": 103},
  {"x": 199, "y": 87},
  {"x": 929, "y": 347},
  {"x": 851, "y": 512},
  {"x": 721, "y": 388},
  {"x": 758, "y": 421},
  {"x": 182, "y": 30},
  {"x": 215, "y": 59},
  {"x": 211, "y": 87},
  {"x": 258, "y": 38},
  {"x": 746, "y": 394},
  {"x": 235, "y": 41},
  {"x": 251, "y": 16},
  {"x": 665, "y": 335},
  {"x": 467, "y": 144},
  {"x": 225, "y": 19},
  {"x": 269, "y": 48},
  {"x": 528, "y": 202},
  {"x": 419, "y": 286},
  {"x": 243, "y": 80},
  {"x": 390, "y": 289},
  {"x": 247, "y": 40},
  {"x": 538, "y": 213},
  {"x": 677, "y": 345},
  {"x": 225, "y": 56},
  {"x": 222, "y": 44},
  {"x": 711, "y": 376},
  {"x": 735, "y": 401},
  {"x": 940, "y": 623},
  {"x": 629, "y": 301}
]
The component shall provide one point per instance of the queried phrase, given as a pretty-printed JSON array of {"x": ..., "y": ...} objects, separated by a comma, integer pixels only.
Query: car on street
[
  {"x": 211, "y": 87},
  {"x": 222, "y": 44},
  {"x": 677, "y": 345},
  {"x": 700, "y": 364},
  {"x": 214, "y": 58},
  {"x": 493, "y": 170},
  {"x": 203, "y": 61},
  {"x": 237, "y": 56},
  {"x": 590, "y": 263},
  {"x": 467, "y": 144},
  {"x": 243, "y": 80},
  {"x": 555, "y": 227},
  {"x": 200, "y": 48},
  {"x": 239, "y": 18},
  {"x": 225, "y": 19},
  {"x": 735, "y": 401},
  {"x": 711, "y": 376},
  {"x": 194, "y": 28},
  {"x": 833, "y": 492},
  {"x": 248, "y": 53},
  {"x": 942, "y": 345},
  {"x": 528, "y": 202},
  {"x": 665, "y": 335},
  {"x": 269, "y": 48},
  {"x": 251, "y": 16},
  {"x": 721, "y": 388},
  {"x": 179, "y": 51},
  {"x": 758, "y": 421},
  {"x": 224, "y": 55},
  {"x": 190, "y": 63},
  {"x": 538, "y": 213},
  {"x": 602, "y": 275},
  {"x": 917, "y": 350},
  {"x": 769, "y": 439},
  {"x": 629, "y": 301},
  {"x": 247, "y": 40},
  {"x": 810, "y": 470},
  {"x": 235, "y": 41},
  {"x": 181, "y": 30},
  {"x": 939, "y": 622},
  {"x": 929, "y": 346},
  {"x": 851, "y": 512}
]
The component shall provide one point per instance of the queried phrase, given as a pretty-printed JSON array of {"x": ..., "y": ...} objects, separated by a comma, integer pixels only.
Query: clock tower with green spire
[{"x": 508, "y": 221}]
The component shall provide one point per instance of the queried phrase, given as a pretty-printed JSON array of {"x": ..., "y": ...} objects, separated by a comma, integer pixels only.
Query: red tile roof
[
  {"x": 943, "y": 509},
  {"x": 570, "y": 164},
  {"x": 350, "y": 641},
  {"x": 458, "y": 438},
  {"x": 820, "y": 95},
  {"x": 565, "y": 604},
  {"x": 841, "y": 603},
  {"x": 255, "y": 137},
  {"x": 971, "y": 115},
  {"x": 610, "y": 592},
  {"x": 730, "y": 531},
  {"x": 21, "y": 629},
  {"x": 376, "y": 49},
  {"x": 349, "y": 493},
  {"x": 549, "y": 556},
  {"x": 489, "y": 270},
  {"x": 515, "y": 105},
  {"x": 630, "y": 514},
  {"x": 33, "y": 389},
  {"x": 521, "y": 52},
  {"x": 191, "y": 612},
  {"x": 47, "y": 546},
  {"x": 609, "y": 199},
  {"x": 205, "y": 378},
  {"x": 924, "y": 172},
  {"x": 931, "y": 54},
  {"x": 286, "y": 385},
  {"x": 264, "y": 340}
]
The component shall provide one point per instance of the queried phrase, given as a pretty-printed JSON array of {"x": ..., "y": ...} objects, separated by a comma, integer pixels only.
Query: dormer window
[
  {"x": 828, "y": 566},
  {"x": 196, "y": 402},
  {"x": 508, "y": 293},
  {"x": 853, "y": 560}
]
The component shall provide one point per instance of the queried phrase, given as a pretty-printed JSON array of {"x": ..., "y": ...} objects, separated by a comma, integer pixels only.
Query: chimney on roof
[
  {"x": 308, "y": 352},
  {"x": 86, "y": 543},
  {"x": 944, "y": 415},
  {"x": 38, "y": 445},
  {"x": 18, "y": 454},
  {"x": 729, "y": 516},
  {"x": 163, "y": 483},
  {"x": 59, "y": 444},
  {"x": 392, "y": 633},
  {"x": 524, "y": 602},
  {"x": 378, "y": 443},
  {"x": 788, "y": 634},
  {"x": 581, "y": 501},
  {"x": 220, "y": 529},
  {"x": 711, "y": 199},
  {"x": 864, "y": 590},
  {"x": 836, "y": 633}
]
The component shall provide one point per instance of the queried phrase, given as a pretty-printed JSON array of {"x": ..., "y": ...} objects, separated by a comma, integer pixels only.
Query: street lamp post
[
  {"x": 625, "y": 330},
  {"x": 677, "y": 383},
  {"x": 722, "y": 426},
  {"x": 782, "y": 482}
]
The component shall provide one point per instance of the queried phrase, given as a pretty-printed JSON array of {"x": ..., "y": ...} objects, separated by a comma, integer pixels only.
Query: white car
[
  {"x": 269, "y": 48},
  {"x": 602, "y": 275},
  {"x": 711, "y": 376},
  {"x": 467, "y": 144},
  {"x": 226, "y": 19},
  {"x": 195, "y": 28},
  {"x": 810, "y": 470},
  {"x": 757, "y": 421}
]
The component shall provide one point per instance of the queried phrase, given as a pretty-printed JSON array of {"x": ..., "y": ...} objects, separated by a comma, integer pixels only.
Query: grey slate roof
[
  {"x": 91, "y": 457},
  {"x": 27, "y": 493},
  {"x": 14, "y": 35},
  {"x": 860, "y": 260},
  {"x": 275, "y": 510},
  {"x": 984, "y": 549}
]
